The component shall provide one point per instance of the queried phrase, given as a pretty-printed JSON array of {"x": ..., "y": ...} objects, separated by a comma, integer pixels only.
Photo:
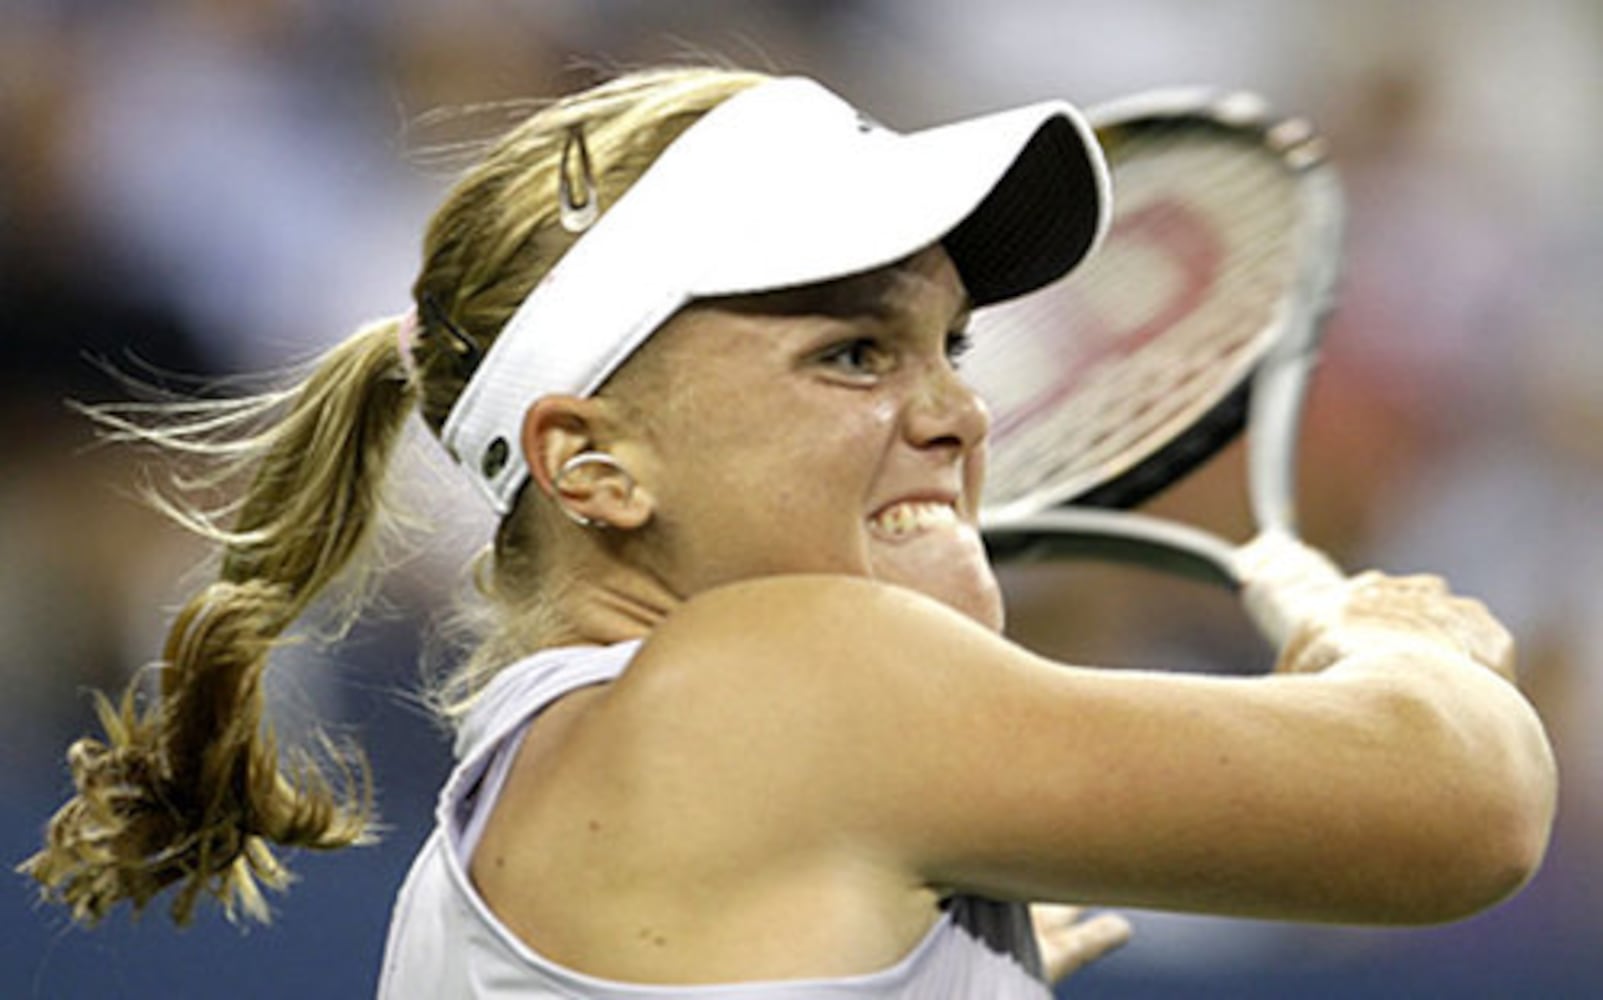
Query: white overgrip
[{"x": 1286, "y": 583}]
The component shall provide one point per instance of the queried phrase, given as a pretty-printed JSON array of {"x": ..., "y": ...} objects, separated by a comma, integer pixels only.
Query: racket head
[{"x": 1116, "y": 381}]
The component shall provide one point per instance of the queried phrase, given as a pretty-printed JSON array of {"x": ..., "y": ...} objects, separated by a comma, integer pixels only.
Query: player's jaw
[{"x": 929, "y": 540}]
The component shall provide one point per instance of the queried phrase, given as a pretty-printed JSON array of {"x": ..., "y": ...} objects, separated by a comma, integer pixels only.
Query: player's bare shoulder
[
  {"x": 781, "y": 630},
  {"x": 778, "y": 669}
]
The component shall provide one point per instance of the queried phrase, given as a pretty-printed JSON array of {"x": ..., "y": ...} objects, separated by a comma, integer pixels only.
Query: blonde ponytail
[{"x": 188, "y": 788}]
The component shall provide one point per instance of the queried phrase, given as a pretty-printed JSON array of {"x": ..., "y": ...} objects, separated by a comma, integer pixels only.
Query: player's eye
[
  {"x": 859, "y": 356},
  {"x": 958, "y": 344}
]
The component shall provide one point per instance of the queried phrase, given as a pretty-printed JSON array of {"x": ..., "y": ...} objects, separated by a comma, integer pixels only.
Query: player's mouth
[{"x": 910, "y": 518}]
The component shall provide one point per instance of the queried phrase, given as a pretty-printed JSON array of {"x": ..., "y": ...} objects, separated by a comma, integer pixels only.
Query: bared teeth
[{"x": 914, "y": 516}]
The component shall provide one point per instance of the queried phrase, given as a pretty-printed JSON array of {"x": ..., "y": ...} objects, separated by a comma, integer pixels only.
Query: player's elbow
[
  {"x": 1518, "y": 817},
  {"x": 1481, "y": 868},
  {"x": 1492, "y": 830},
  {"x": 1516, "y": 851}
]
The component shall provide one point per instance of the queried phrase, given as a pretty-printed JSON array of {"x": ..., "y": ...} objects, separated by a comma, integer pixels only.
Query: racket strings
[{"x": 1095, "y": 373}]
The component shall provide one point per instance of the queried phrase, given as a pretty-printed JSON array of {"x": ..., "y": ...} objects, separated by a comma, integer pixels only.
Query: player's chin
[{"x": 949, "y": 565}]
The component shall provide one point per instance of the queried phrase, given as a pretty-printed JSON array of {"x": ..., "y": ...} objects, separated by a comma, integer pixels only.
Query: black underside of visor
[{"x": 1036, "y": 223}]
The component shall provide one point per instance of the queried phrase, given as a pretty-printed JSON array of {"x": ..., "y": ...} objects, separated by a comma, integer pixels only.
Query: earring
[
  {"x": 577, "y": 216},
  {"x": 579, "y": 461}
]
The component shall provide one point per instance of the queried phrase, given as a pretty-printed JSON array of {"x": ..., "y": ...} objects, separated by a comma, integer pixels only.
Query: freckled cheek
[
  {"x": 795, "y": 461},
  {"x": 826, "y": 475}
]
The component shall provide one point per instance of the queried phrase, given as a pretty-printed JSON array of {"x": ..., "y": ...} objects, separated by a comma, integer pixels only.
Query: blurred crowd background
[{"x": 214, "y": 187}]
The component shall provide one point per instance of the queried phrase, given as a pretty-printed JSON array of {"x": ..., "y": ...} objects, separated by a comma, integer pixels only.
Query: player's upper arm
[{"x": 869, "y": 714}]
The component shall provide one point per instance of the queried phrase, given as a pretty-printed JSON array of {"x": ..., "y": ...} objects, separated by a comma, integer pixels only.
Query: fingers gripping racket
[{"x": 1200, "y": 314}]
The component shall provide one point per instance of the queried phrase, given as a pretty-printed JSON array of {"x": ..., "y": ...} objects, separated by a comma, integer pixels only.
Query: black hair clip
[{"x": 466, "y": 350}]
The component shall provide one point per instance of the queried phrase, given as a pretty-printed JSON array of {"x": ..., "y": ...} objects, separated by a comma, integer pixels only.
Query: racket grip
[{"x": 1285, "y": 583}]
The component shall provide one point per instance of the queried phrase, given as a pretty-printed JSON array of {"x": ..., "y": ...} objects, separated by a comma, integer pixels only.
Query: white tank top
[{"x": 444, "y": 942}]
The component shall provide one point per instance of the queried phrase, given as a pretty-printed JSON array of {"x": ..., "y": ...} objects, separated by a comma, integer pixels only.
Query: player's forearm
[
  {"x": 1394, "y": 788},
  {"x": 1382, "y": 791}
]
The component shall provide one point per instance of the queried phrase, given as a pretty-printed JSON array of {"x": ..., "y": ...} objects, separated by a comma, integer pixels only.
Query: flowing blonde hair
[{"x": 188, "y": 787}]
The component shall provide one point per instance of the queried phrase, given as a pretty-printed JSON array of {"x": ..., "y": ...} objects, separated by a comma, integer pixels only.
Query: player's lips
[{"x": 914, "y": 516}]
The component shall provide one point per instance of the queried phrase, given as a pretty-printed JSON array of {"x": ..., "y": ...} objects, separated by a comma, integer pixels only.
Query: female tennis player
[{"x": 745, "y": 715}]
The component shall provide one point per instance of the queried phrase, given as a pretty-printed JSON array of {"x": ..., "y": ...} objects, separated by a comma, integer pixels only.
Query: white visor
[{"x": 781, "y": 185}]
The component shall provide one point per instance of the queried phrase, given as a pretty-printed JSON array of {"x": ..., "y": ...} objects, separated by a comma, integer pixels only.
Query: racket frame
[{"x": 1268, "y": 403}]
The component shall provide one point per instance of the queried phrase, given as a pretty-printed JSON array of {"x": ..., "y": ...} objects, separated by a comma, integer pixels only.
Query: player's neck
[{"x": 611, "y": 606}]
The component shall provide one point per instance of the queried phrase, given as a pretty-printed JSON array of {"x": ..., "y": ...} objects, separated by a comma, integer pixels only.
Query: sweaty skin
[
  {"x": 798, "y": 745},
  {"x": 858, "y": 449}
]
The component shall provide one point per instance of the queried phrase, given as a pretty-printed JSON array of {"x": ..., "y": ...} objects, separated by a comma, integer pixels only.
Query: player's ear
[{"x": 565, "y": 443}]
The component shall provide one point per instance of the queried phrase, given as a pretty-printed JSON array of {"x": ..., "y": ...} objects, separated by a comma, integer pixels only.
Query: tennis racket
[{"x": 1199, "y": 315}]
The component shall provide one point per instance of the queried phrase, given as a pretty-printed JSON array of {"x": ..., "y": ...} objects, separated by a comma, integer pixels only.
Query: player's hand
[
  {"x": 1377, "y": 611},
  {"x": 1069, "y": 942},
  {"x": 1317, "y": 616}
]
